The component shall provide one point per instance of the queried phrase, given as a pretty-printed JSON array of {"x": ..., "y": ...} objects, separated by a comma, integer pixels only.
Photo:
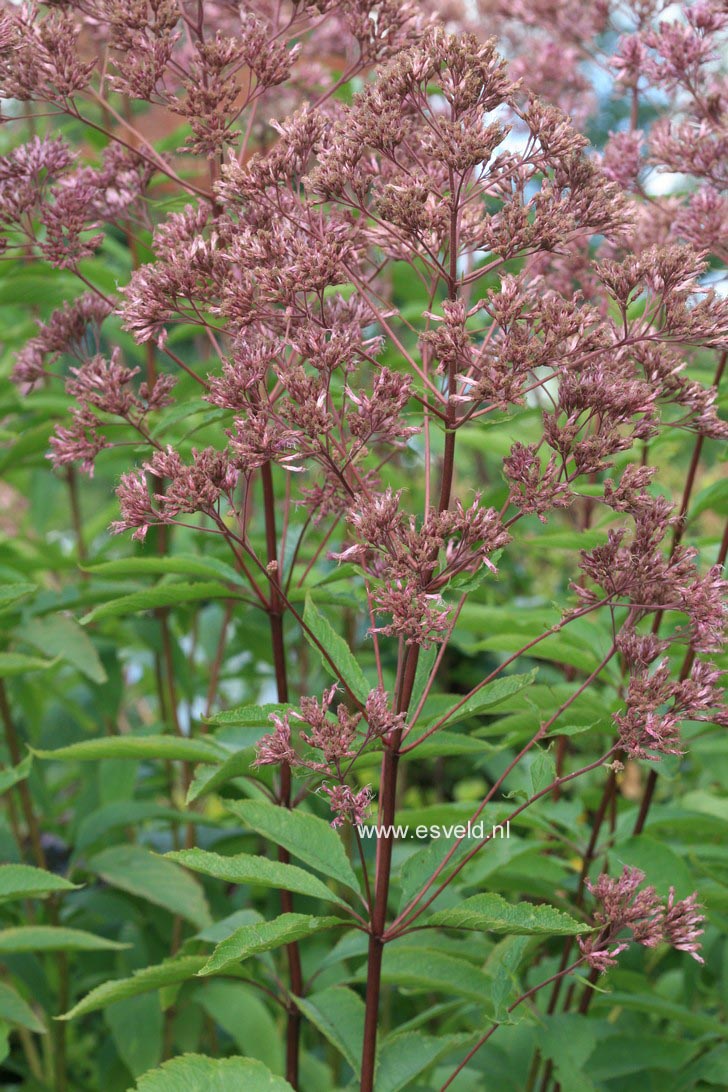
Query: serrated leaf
[
  {"x": 486, "y": 698},
  {"x": 62, "y": 637},
  {"x": 250, "y": 940},
  {"x": 244, "y": 868},
  {"x": 197, "y": 1073},
  {"x": 15, "y": 1010},
  {"x": 20, "y": 881},
  {"x": 493, "y": 914},
  {"x": 252, "y": 716},
  {"x": 139, "y": 747},
  {"x": 51, "y": 938},
  {"x": 338, "y": 1013},
  {"x": 162, "y": 595},
  {"x": 305, "y": 836},
  {"x": 346, "y": 668},
  {"x": 139, "y": 872},
  {"x": 169, "y": 973}
]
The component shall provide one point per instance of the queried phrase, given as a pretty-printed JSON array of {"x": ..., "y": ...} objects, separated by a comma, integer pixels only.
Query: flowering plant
[{"x": 360, "y": 378}]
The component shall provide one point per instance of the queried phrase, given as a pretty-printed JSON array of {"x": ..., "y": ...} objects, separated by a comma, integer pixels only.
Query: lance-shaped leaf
[
  {"x": 492, "y": 914},
  {"x": 428, "y": 969},
  {"x": 138, "y": 747},
  {"x": 403, "y": 1057},
  {"x": 17, "y": 663},
  {"x": 175, "y": 564},
  {"x": 245, "y": 868},
  {"x": 51, "y": 938},
  {"x": 487, "y": 697},
  {"x": 20, "y": 881},
  {"x": 250, "y": 940},
  {"x": 342, "y": 664},
  {"x": 14, "y": 1010},
  {"x": 169, "y": 973},
  {"x": 305, "y": 836},
  {"x": 61, "y": 636},
  {"x": 163, "y": 595},
  {"x": 206, "y": 780},
  {"x": 13, "y": 593},
  {"x": 136, "y": 870},
  {"x": 338, "y": 1013},
  {"x": 11, "y": 775}
]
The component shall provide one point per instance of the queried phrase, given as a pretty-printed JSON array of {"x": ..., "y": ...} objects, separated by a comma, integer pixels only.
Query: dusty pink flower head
[
  {"x": 276, "y": 747},
  {"x": 333, "y": 737},
  {"x": 650, "y": 919},
  {"x": 348, "y": 806},
  {"x": 683, "y": 924}
]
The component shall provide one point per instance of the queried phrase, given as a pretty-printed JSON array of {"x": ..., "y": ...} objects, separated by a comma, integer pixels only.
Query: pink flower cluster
[{"x": 649, "y": 919}]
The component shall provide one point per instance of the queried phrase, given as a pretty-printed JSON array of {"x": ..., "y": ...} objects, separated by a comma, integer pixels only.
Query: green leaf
[
  {"x": 347, "y": 670},
  {"x": 137, "y": 1027},
  {"x": 429, "y": 969},
  {"x": 259, "y": 871},
  {"x": 619, "y": 1056},
  {"x": 713, "y": 498},
  {"x": 61, "y": 636},
  {"x": 196, "y": 1073},
  {"x": 162, "y": 595},
  {"x": 486, "y": 698},
  {"x": 568, "y": 1041},
  {"x": 140, "y": 747},
  {"x": 13, "y": 774},
  {"x": 15, "y": 1010},
  {"x": 239, "y": 1011},
  {"x": 20, "y": 881},
  {"x": 403, "y": 1057},
  {"x": 253, "y": 716},
  {"x": 502, "y": 965},
  {"x": 338, "y": 1013},
  {"x": 425, "y": 664},
  {"x": 654, "y": 1005},
  {"x": 136, "y": 870},
  {"x": 663, "y": 867},
  {"x": 306, "y": 836},
  {"x": 13, "y": 593},
  {"x": 206, "y": 780},
  {"x": 17, "y": 663},
  {"x": 447, "y": 743},
  {"x": 170, "y": 564},
  {"x": 51, "y": 938},
  {"x": 96, "y": 824},
  {"x": 491, "y": 913},
  {"x": 249, "y": 940},
  {"x": 169, "y": 973},
  {"x": 542, "y": 770}
]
